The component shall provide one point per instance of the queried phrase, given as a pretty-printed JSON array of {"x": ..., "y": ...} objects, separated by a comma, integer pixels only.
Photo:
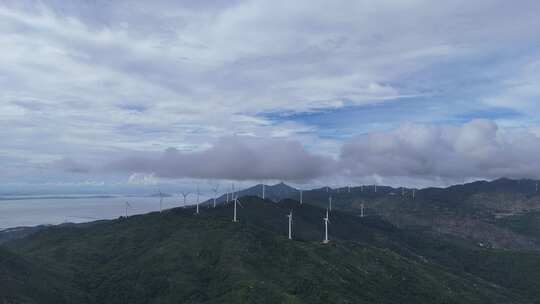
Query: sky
[{"x": 105, "y": 96}]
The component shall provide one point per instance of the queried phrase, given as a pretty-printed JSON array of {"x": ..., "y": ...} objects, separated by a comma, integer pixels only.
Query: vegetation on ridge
[{"x": 179, "y": 257}]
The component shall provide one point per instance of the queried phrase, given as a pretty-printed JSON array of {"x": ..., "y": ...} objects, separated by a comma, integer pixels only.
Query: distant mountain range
[
  {"x": 503, "y": 213},
  {"x": 274, "y": 193}
]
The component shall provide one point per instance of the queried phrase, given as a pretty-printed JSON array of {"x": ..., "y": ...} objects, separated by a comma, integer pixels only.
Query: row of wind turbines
[
  {"x": 326, "y": 218},
  {"x": 232, "y": 196}
]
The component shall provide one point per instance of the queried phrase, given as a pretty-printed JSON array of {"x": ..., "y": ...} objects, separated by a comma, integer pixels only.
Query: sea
[{"x": 24, "y": 211}]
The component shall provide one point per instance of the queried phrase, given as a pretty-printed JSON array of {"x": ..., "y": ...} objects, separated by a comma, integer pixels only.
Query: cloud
[
  {"x": 413, "y": 154},
  {"x": 142, "y": 179},
  {"x": 71, "y": 165},
  {"x": 93, "y": 78},
  {"x": 477, "y": 149},
  {"x": 236, "y": 158},
  {"x": 520, "y": 91}
]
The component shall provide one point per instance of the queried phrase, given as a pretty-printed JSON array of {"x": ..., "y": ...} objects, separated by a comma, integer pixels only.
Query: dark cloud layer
[
  {"x": 477, "y": 149},
  {"x": 238, "y": 158}
]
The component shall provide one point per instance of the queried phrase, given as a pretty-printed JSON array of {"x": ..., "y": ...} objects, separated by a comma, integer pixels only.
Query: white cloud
[
  {"x": 478, "y": 149},
  {"x": 413, "y": 154},
  {"x": 142, "y": 179},
  {"x": 87, "y": 79}
]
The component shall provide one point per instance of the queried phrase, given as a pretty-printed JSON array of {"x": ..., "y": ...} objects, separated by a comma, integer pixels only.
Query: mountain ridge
[{"x": 206, "y": 258}]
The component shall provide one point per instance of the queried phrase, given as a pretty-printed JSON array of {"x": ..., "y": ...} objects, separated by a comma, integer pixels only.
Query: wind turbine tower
[
  {"x": 290, "y": 224},
  {"x": 326, "y": 221},
  {"x": 362, "y": 210},
  {"x": 215, "y": 189},
  {"x": 234, "y": 216},
  {"x": 160, "y": 201},
  {"x": 236, "y": 201},
  {"x": 128, "y": 206},
  {"x": 301, "y": 198}
]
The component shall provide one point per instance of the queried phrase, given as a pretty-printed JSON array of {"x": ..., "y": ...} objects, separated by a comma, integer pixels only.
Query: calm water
[{"x": 32, "y": 211}]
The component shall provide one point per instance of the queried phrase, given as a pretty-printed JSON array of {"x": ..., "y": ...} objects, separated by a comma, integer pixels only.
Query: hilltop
[{"x": 276, "y": 193}]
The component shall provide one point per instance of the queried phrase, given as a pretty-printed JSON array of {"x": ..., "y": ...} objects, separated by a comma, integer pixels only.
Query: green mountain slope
[
  {"x": 498, "y": 214},
  {"x": 179, "y": 257},
  {"x": 509, "y": 268},
  {"x": 24, "y": 281}
]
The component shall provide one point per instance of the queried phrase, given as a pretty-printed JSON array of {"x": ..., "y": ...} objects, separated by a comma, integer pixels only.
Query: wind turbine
[
  {"x": 198, "y": 195},
  {"x": 234, "y": 216},
  {"x": 326, "y": 221},
  {"x": 160, "y": 201},
  {"x": 290, "y": 224},
  {"x": 236, "y": 201},
  {"x": 185, "y": 195},
  {"x": 362, "y": 210},
  {"x": 215, "y": 189},
  {"x": 128, "y": 206}
]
